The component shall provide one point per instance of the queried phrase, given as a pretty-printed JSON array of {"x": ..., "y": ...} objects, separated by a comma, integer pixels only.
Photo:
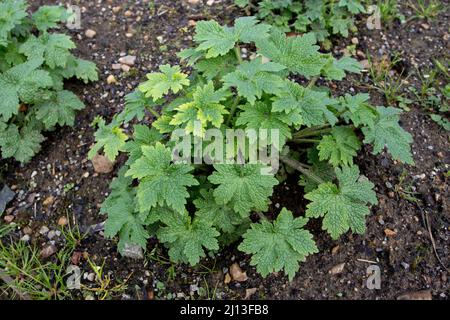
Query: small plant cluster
[
  {"x": 33, "y": 66},
  {"x": 322, "y": 18},
  {"x": 195, "y": 209}
]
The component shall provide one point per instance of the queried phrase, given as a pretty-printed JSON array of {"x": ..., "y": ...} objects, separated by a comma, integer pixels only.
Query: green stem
[
  {"x": 309, "y": 132},
  {"x": 301, "y": 167},
  {"x": 233, "y": 109},
  {"x": 305, "y": 140},
  {"x": 312, "y": 82},
  {"x": 237, "y": 52},
  {"x": 154, "y": 113}
]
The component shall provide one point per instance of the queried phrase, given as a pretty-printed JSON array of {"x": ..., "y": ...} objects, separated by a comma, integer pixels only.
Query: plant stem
[
  {"x": 233, "y": 109},
  {"x": 154, "y": 113},
  {"x": 261, "y": 216},
  {"x": 312, "y": 82},
  {"x": 314, "y": 131},
  {"x": 301, "y": 167},
  {"x": 237, "y": 51},
  {"x": 305, "y": 140}
]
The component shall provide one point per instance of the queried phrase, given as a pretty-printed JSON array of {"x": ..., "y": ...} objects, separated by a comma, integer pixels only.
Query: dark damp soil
[{"x": 413, "y": 200}]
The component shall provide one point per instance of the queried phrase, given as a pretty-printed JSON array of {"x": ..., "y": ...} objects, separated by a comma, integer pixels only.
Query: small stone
[
  {"x": 27, "y": 230},
  {"x": 125, "y": 68},
  {"x": 9, "y": 218},
  {"x": 116, "y": 9},
  {"x": 85, "y": 175},
  {"x": 51, "y": 234},
  {"x": 227, "y": 279},
  {"x": 237, "y": 274},
  {"x": 390, "y": 233},
  {"x": 62, "y": 221},
  {"x": 48, "y": 251},
  {"x": 129, "y": 35},
  {"x": 128, "y": 60},
  {"x": 116, "y": 66},
  {"x": 48, "y": 201},
  {"x": 90, "y": 33},
  {"x": 133, "y": 252},
  {"x": 102, "y": 164},
  {"x": 193, "y": 1},
  {"x": 25, "y": 238},
  {"x": 111, "y": 79},
  {"x": 89, "y": 298},
  {"x": 192, "y": 23},
  {"x": 416, "y": 295},
  {"x": 337, "y": 269},
  {"x": 210, "y": 2},
  {"x": 44, "y": 230},
  {"x": 425, "y": 26},
  {"x": 128, "y": 13},
  {"x": 355, "y": 40},
  {"x": 365, "y": 64},
  {"x": 76, "y": 257},
  {"x": 335, "y": 250},
  {"x": 91, "y": 277},
  {"x": 249, "y": 292}
]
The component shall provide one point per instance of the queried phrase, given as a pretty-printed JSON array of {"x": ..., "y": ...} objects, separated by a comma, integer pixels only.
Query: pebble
[
  {"x": 337, "y": 269},
  {"x": 44, "y": 230},
  {"x": 102, "y": 164},
  {"x": 51, "y": 234},
  {"x": 90, "y": 33},
  {"x": 128, "y": 13},
  {"x": 25, "y": 238},
  {"x": 133, "y": 252},
  {"x": 27, "y": 230},
  {"x": 9, "y": 218},
  {"x": 48, "y": 251},
  {"x": 116, "y": 66},
  {"x": 111, "y": 79},
  {"x": 125, "y": 68},
  {"x": 48, "y": 201},
  {"x": 62, "y": 221},
  {"x": 116, "y": 9},
  {"x": 390, "y": 233},
  {"x": 237, "y": 274},
  {"x": 128, "y": 60}
]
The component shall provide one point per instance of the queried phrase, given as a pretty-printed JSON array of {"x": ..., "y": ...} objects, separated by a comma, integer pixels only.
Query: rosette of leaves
[
  {"x": 33, "y": 65},
  {"x": 323, "y": 18},
  {"x": 195, "y": 209}
]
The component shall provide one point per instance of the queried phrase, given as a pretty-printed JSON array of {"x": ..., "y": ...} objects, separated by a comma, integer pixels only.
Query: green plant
[
  {"x": 321, "y": 17},
  {"x": 426, "y": 9},
  {"x": 197, "y": 208},
  {"x": 33, "y": 65},
  {"x": 389, "y": 11}
]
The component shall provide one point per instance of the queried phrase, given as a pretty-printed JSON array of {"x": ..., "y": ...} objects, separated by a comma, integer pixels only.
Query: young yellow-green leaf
[
  {"x": 59, "y": 110},
  {"x": 343, "y": 207},
  {"x": 187, "y": 237},
  {"x": 243, "y": 187},
  {"x": 252, "y": 78},
  {"x": 335, "y": 69},
  {"x": 159, "y": 83},
  {"x": 304, "y": 105},
  {"x": 20, "y": 144},
  {"x": 387, "y": 133},
  {"x": 109, "y": 137},
  {"x": 160, "y": 181},
  {"x": 205, "y": 108},
  {"x": 339, "y": 147},
  {"x": 298, "y": 54},
  {"x": 280, "y": 245}
]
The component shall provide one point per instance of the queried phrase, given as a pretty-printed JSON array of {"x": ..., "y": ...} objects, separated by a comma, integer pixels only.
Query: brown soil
[{"x": 407, "y": 260}]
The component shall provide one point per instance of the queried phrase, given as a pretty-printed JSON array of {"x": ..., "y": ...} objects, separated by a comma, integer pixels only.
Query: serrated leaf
[
  {"x": 343, "y": 207},
  {"x": 215, "y": 67},
  {"x": 47, "y": 17},
  {"x": 260, "y": 116},
  {"x": 336, "y": 69},
  {"x": 340, "y": 147},
  {"x": 11, "y": 14},
  {"x": 387, "y": 133},
  {"x": 187, "y": 238},
  {"x": 252, "y": 78},
  {"x": 359, "y": 110},
  {"x": 280, "y": 245},
  {"x": 20, "y": 144},
  {"x": 205, "y": 108},
  {"x": 304, "y": 105},
  {"x": 54, "y": 49},
  {"x": 122, "y": 218},
  {"x": 59, "y": 110},
  {"x": 320, "y": 169},
  {"x": 109, "y": 137},
  {"x": 243, "y": 187},
  {"x": 159, "y": 83},
  {"x": 135, "y": 106},
  {"x": 354, "y": 6},
  {"x": 142, "y": 136},
  {"x": 160, "y": 181},
  {"x": 298, "y": 54}
]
